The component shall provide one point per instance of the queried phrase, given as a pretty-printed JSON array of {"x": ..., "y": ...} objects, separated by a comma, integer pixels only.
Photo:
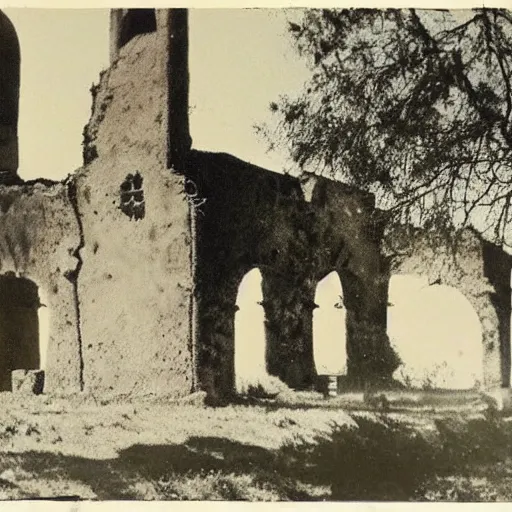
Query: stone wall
[
  {"x": 497, "y": 269},
  {"x": 39, "y": 237},
  {"x": 248, "y": 217},
  {"x": 480, "y": 271},
  {"x": 135, "y": 282}
]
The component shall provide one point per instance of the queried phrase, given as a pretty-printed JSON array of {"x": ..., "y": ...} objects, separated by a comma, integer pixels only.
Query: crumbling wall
[
  {"x": 497, "y": 267},
  {"x": 353, "y": 231},
  {"x": 243, "y": 222},
  {"x": 457, "y": 260},
  {"x": 248, "y": 217},
  {"x": 135, "y": 283},
  {"x": 39, "y": 236}
]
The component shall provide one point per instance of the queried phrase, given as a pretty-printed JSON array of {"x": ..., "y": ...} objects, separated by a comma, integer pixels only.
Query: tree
[{"x": 413, "y": 106}]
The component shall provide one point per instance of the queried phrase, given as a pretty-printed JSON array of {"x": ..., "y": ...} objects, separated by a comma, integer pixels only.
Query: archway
[
  {"x": 9, "y": 99},
  {"x": 19, "y": 327},
  {"x": 329, "y": 328},
  {"x": 436, "y": 333},
  {"x": 250, "y": 339}
]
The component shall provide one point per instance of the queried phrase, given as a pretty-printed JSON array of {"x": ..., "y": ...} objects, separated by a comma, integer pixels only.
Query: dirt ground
[{"x": 83, "y": 448}]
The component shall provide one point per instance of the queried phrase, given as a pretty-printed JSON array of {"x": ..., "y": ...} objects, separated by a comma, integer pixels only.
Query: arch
[
  {"x": 19, "y": 327},
  {"x": 9, "y": 96},
  {"x": 250, "y": 338},
  {"x": 436, "y": 333},
  {"x": 135, "y": 22},
  {"x": 329, "y": 327}
]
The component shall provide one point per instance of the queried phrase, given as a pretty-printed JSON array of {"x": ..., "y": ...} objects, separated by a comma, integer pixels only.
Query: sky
[
  {"x": 62, "y": 54},
  {"x": 64, "y": 50}
]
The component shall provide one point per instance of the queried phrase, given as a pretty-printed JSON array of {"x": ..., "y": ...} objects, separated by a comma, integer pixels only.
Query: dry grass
[{"x": 83, "y": 448}]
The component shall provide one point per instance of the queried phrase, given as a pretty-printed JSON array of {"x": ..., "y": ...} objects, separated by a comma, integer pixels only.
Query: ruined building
[{"x": 140, "y": 253}]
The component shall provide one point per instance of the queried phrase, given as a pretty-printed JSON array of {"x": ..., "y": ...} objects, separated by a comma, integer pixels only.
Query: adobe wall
[
  {"x": 481, "y": 272},
  {"x": 135, "y": 281},
  {"x": 249, "y": 217},
  {"x": 39, "y": 237}
]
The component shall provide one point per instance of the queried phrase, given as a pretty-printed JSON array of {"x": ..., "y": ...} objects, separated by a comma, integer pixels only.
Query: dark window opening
[
  {"x": 135, "y": 22},
  {"x": 19, "y": 327},
  {"x": 132, "y": 197}
]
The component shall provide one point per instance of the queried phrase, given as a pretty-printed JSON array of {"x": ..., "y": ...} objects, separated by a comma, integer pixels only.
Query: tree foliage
[{"x": 414, "y": 106}]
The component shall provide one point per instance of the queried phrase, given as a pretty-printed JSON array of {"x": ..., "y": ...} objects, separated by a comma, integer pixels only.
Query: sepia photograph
[{"x": 256, "y": 254}]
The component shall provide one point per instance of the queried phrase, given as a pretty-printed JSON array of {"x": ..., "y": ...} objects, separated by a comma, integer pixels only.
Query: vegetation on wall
[{"x": 414, "y": 106}]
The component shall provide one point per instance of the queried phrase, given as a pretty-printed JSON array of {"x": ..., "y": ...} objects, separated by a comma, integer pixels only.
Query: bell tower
[
  {"x": 171, "y": 26},
  {"x": 9, "y": 100},
  {"x": 133, "y": 208}
]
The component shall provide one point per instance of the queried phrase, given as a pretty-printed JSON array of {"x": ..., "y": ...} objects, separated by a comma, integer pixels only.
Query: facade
[{"x": 139, "y": 254}]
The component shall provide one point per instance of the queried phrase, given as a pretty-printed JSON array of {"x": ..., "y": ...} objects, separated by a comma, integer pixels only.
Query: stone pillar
[
  {"x": 497, "y": 269},
  {"x": 116, "y": 19},
  {"x": 216, "y": 339},
  {"x": 178, "y": 131},
  {"x": 9, "y": 100},
  {"x": 288, "y": 303},
  {"x": 371, "y": 360}
]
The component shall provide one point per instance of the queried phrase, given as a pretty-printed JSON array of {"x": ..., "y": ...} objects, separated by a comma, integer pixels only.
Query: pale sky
[{"x": 240, "y": 61}]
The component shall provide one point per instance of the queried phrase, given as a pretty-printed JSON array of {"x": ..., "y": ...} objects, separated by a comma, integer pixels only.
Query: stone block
[
  {"x": 328, "y": 385},
  {"x": 499, "y": 399},
  {"x": 27, "y": 381}
]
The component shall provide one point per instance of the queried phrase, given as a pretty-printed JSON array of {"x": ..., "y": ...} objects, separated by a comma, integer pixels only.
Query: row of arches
[{"x": 434, "y": 330}]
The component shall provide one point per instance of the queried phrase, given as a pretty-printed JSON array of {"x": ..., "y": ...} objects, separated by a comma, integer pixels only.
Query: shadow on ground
[{"x": 380, "y": 460}]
